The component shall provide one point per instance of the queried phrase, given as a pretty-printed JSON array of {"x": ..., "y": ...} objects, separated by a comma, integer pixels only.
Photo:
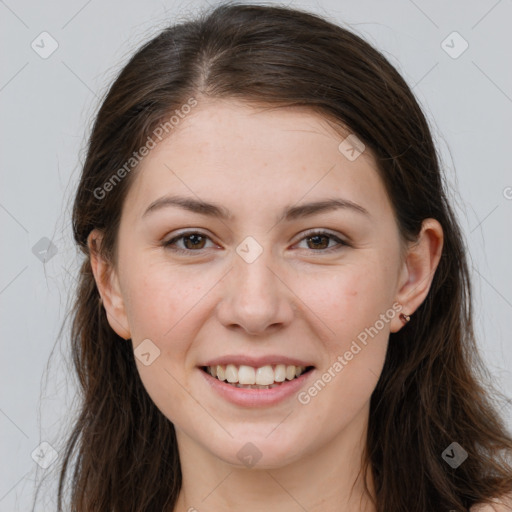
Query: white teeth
[
  {"x": 280, "y": 373},
  {"x": 265, "y": 376},
  {"x": 231, "y": 373},
  {"x": 219, "y": 370},
  {"x": 247, "y": 375},
  {"x": 262, "y": 377}
]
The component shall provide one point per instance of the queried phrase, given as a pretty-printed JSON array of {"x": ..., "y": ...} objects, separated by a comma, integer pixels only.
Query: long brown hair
[{"x": 122, "y": 449}]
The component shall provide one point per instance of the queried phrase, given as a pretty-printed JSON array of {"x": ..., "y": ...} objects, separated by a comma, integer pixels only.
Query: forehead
[{"x": 253, "y": 157}]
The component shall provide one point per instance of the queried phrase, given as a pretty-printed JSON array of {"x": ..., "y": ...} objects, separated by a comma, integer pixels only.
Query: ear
[
  {"x": 418, "y": 269},
  {"x": 107, "y": 283}
]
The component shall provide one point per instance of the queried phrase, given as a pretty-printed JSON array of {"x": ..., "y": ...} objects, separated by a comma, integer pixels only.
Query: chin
[{"x": 260, "y": 451}]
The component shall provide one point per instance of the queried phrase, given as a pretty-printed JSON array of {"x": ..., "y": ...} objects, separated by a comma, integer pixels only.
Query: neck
[{"x": 329, "y": 479}]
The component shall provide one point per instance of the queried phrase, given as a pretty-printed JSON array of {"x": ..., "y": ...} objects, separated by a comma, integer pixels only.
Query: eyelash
[{"x": 169, "y": 244}]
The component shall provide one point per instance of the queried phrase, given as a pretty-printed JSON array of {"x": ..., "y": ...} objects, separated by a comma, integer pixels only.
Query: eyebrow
[{"x": 217, "y": 211}]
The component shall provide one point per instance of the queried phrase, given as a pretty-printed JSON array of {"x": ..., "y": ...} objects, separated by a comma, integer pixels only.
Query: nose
[{"x": 256, "y": 299}]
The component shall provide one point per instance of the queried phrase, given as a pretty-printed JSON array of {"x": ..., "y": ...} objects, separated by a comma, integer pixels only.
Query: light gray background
[{"x": 47, "y": 107}]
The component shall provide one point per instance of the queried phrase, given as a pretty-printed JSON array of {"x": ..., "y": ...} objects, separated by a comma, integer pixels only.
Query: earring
[{"x": 405, "y": 318}]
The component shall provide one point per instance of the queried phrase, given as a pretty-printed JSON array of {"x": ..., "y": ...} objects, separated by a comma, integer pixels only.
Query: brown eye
[
  {"x": 322, "y": 241},
  {"x": 194, "y": 241},
  {"x": 190, "y": 242},
  {"x": 318, "y": 242}
]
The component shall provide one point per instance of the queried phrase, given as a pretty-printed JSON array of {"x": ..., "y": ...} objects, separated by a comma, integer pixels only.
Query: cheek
[
  {"x": 160, "y": 298},
  {"x": 347, "y": 300},
  {"x": 357, "y": 305},
  {"x": 163, "y": 308}
]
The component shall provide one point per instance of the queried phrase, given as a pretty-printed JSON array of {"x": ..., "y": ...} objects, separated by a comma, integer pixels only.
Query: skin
[{"x": 297, "y": 298}]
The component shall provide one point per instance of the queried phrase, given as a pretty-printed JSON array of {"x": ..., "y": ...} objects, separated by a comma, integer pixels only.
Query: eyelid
[
  {"x": 341, "y": 241},
  {"x": 178, "y": 236},
  {"x": 323, "y": 231}
]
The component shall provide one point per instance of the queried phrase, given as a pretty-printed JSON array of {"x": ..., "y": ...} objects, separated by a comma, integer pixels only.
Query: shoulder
[{"x": 504, "y": 504}]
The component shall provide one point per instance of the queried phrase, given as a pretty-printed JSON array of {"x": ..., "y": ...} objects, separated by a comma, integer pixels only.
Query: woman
[{"x": 274, "y": 309}]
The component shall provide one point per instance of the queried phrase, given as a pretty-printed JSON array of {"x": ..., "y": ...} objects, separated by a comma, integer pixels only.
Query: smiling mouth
[{"x": 248, "y": 377}]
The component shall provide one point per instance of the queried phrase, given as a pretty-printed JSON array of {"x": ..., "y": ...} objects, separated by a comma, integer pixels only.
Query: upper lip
[{"x": 255, "y": 362}]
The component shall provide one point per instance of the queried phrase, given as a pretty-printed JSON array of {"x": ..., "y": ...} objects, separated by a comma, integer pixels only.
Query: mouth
[{"x": 249, "y": 377}]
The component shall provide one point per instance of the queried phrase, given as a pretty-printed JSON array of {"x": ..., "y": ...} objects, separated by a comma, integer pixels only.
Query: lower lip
[{"x": 248, "y": 397}]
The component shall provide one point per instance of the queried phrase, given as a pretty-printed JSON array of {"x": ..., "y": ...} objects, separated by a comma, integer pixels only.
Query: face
[{"x": 259, "y": 281}]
